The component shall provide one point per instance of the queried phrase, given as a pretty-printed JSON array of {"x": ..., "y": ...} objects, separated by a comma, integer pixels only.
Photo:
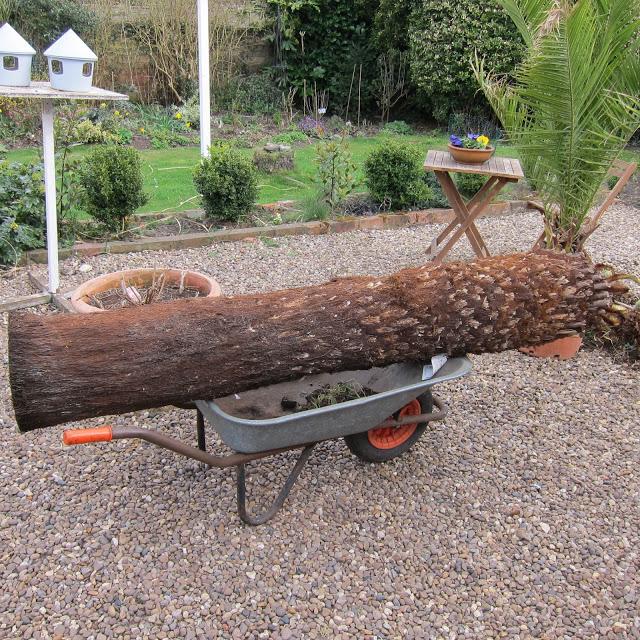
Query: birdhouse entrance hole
[{"x": 10, "y": 63}]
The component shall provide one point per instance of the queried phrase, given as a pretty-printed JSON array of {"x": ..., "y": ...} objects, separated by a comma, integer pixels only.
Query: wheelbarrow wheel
[{"x": 385, "y": 443}]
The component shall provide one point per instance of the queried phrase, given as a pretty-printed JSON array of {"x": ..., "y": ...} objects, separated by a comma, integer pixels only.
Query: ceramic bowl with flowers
[{"x": 472, "y": 148}]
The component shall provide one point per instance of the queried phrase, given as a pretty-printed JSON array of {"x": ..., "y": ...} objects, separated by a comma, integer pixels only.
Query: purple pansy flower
[
  {"x": 455, "y": 141},
  {"x": 472, "y": 136}
]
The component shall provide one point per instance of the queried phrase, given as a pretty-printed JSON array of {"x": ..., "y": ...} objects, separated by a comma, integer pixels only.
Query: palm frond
[{"x": 575, "y": 101}]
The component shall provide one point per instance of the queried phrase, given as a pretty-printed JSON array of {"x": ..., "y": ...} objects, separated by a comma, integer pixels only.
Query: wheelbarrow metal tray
[{"x": 254, "y": 422}]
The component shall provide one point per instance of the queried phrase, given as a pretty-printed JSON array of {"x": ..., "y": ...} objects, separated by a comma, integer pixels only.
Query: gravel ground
[{"x": 515, "y": 518}]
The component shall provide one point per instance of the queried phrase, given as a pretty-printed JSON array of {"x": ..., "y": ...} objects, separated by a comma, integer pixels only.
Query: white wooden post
[
  {"x": 50, "y": 194},
  {"x": 203, "y": 77}
]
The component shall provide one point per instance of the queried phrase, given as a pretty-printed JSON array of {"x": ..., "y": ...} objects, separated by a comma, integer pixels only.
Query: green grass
[{"x": 168, "y": 172}]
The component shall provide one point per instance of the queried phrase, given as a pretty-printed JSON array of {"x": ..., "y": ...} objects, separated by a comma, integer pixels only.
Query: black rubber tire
[{"x": 360, "y": 446}]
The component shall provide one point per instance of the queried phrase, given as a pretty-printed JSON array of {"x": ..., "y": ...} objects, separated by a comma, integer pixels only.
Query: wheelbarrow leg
[
  {"x": 265, "y": 516},
  {"x": 202, "y": 442}
]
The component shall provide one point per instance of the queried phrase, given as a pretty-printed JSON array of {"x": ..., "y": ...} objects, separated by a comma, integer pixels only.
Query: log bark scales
[{"x": 69, "y": 367}]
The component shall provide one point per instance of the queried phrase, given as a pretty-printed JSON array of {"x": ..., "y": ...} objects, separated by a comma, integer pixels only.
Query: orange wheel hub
[{"x": 392, "y": 437}]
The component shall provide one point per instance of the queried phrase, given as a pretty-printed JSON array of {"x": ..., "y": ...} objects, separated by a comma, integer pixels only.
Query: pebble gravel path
[{"x": 517, "y": 517}]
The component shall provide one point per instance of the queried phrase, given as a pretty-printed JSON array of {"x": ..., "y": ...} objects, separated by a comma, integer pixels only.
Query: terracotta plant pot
[
  {"x": 471, "y": 156},
  {"x": 81, "y": 297},
  {"x": 562, "y": 348}
]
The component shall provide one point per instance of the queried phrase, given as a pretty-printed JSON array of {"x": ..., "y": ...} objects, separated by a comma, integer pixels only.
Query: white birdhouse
[
  {"x": 71, "y": 63},
  {"x": 16, "y": 55}
]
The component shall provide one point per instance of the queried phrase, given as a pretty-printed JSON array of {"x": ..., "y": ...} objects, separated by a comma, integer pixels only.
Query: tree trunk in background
[{"x": 69, "y": 367}]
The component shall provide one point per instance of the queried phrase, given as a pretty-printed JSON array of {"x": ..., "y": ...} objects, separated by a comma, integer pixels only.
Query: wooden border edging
[
  {"x": 24, "y": 302},
  {"x": 196, "y": 240}
]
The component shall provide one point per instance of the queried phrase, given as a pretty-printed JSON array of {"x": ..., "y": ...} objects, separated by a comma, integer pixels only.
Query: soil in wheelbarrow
[{"x": 327, "y": 396}]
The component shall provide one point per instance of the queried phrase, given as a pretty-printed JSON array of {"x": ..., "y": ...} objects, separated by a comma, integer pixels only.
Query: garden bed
[{"x": 202, "y": 239}]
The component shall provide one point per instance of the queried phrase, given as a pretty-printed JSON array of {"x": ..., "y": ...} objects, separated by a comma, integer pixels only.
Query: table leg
[
  {"x": 471, "y": 206},
  {"x": 461, "y": 213},
  {"x": 466, "y": 217},
  {"x": 50, "y": 194}
]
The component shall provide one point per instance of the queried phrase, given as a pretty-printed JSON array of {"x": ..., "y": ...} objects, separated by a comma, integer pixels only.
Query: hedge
[{"x": 443, "y": 36}]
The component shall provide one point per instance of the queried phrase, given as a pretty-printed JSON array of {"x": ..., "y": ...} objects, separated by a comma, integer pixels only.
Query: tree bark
[{"x": 69, "y": 367}]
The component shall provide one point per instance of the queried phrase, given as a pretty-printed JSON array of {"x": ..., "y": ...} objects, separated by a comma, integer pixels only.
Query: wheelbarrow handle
[
  {"x": 83, "y": 436},
  {"x": 441, "y": 414}
]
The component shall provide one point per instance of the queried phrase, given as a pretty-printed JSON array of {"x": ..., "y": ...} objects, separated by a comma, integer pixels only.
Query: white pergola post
[
  {"x": 203, "y": 77},
  {"x": 51, "y": 205}
]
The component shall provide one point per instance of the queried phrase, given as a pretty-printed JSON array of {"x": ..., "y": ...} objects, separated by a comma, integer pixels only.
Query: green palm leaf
[{"x": 575, "y": 101}]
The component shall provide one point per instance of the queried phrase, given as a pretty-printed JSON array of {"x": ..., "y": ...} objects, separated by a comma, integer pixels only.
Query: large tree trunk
[{"x": 68, "y": 367}]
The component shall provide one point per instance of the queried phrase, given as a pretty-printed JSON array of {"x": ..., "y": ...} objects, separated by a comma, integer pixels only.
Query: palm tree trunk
[{"x": 70, "y": 367}]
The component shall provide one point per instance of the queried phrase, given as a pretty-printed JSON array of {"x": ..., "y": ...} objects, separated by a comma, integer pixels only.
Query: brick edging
[{"x": 195, "y": 240}]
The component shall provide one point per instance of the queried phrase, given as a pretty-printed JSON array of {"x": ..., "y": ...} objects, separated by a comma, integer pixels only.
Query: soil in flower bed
[{"x": 176, "y": 226}]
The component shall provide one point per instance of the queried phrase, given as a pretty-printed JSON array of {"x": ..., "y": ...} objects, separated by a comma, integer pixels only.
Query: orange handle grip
[{"x": 82, "y": 436}]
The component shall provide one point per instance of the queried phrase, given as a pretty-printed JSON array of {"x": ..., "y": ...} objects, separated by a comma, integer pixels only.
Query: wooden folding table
[{"x": 500, "y": 172}]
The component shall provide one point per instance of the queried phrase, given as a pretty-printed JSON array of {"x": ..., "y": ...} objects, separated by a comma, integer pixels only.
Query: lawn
[{"x": 168, "y": 171}]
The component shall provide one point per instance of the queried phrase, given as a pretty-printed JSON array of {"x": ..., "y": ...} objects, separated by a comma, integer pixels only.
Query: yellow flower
[
  {"x": 178, "y": 116},
  {"x": 116, "y": 113},
  {"x": 14, "y": 226},
  {"x": 103, "y": 105},
  {"x": 483, "y": 140},
  {"x": 188, "y": 125},
  {"x": 141, "y": 129}
]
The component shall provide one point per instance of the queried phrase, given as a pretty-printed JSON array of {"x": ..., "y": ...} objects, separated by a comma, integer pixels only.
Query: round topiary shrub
[
  {"x": 394, "y": 174},
  {"x": 112, "y": 185},
  {"x": 443, "y": 38},
  {"x": 227, "y": 182}
]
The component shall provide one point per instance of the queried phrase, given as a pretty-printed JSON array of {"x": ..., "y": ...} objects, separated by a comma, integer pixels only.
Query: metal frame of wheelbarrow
[{"x": 454, "y": 369}]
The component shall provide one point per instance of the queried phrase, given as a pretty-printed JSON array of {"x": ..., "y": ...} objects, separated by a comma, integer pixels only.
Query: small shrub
[
  {"x": 398, "y": 128},
  {"x": 290, "y": 137},
  {"x": 469, "y": 183},
  {"x": 111, "y": 179},
  {"x": 227, "y": 182},
  {"x": 87, "y": 132},
  {"x": 124, "y": 136},
  {"x": 314, "y": 207},
  {"x": 336, "y": 171},
  {"x": 269, "y": 163},
  {"x": 22, "y": 221},
  {"x": 394, "y": 173}
]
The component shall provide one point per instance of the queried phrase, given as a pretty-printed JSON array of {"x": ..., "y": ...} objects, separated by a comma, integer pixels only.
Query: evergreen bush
[
  {"x": 111, "y": 179},
  {"x": 394, "y": 174},
  {"x": 227, "y": 182}
]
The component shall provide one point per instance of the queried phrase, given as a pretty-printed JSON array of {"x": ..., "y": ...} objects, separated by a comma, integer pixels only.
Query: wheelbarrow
[{"x": 264, "y": 422}]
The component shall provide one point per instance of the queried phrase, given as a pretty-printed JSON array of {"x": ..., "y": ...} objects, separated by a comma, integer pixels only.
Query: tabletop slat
[
  {"x": 495, "y": 166},
  {"x": 43, "y": 90}
]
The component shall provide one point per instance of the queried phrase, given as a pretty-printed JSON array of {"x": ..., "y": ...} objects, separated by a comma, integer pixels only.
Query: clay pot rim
[
  {"x": 485, "y": 154},
  {"x": 208, "y": 286},
  {"x": 453, "y": 146}
]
